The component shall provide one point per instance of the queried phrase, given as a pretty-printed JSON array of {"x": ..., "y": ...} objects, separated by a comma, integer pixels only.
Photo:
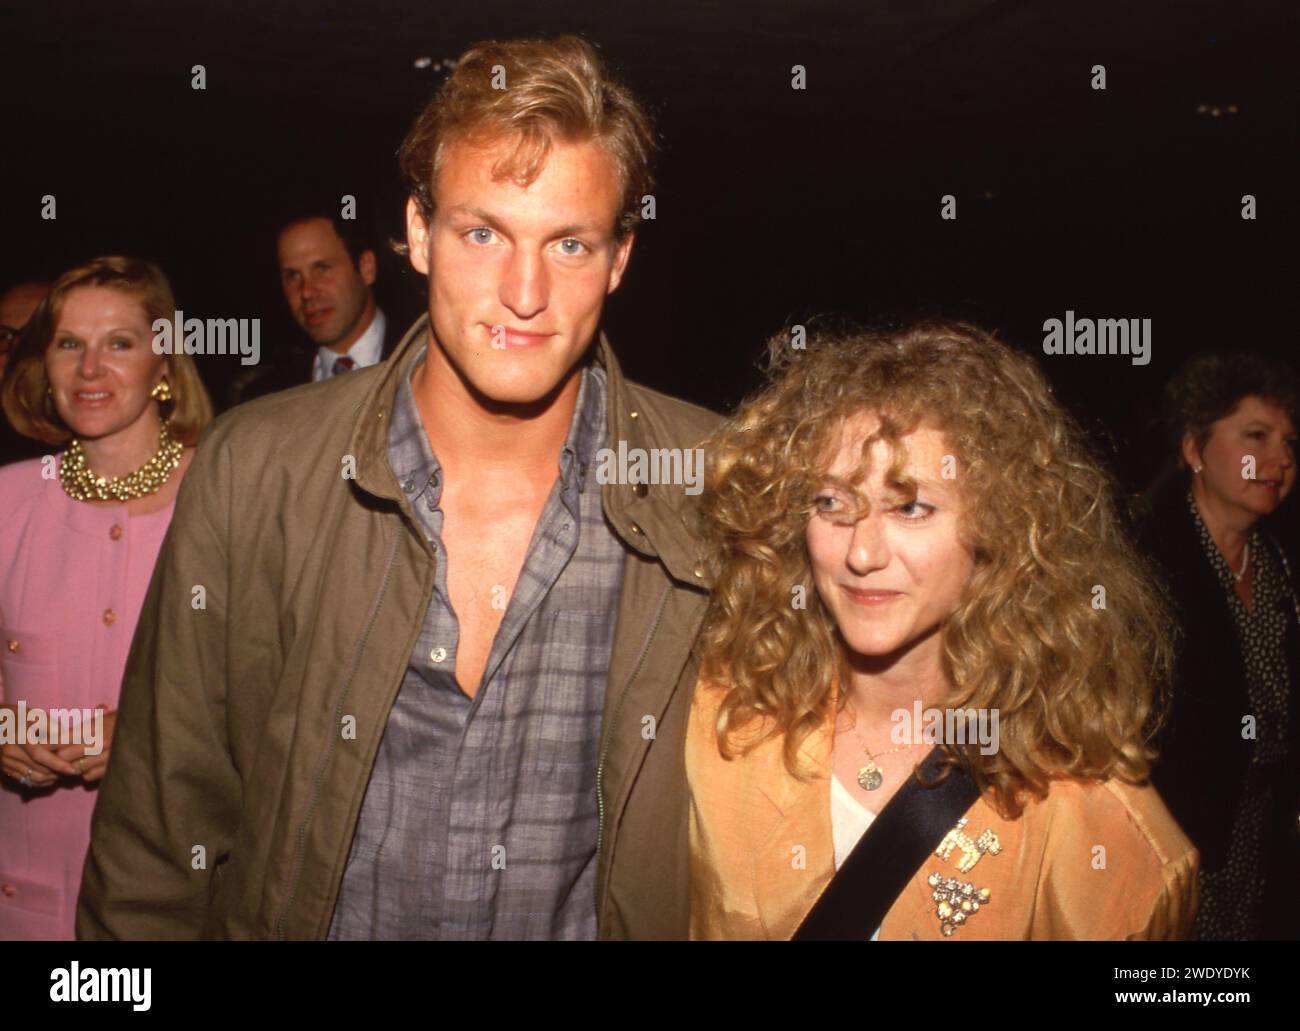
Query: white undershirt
[{"x": 849, "y": 821}]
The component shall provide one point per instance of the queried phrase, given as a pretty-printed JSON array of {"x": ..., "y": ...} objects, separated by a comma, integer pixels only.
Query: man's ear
[
  {"x": 417, "y": 237},
  {"x": 368, "y": 267},
  {"x": 621, "y": 256}
]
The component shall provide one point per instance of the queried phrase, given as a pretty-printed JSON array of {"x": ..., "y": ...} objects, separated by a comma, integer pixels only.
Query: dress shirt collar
[
  {"x": 367, "y": 349},
  {"x": 417, "y": 468}
]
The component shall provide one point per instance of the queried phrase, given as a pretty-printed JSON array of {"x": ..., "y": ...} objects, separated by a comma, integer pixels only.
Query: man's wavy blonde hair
[
  {"x": 556, "y": 90},
  {"x": 1079, "y": 690}
]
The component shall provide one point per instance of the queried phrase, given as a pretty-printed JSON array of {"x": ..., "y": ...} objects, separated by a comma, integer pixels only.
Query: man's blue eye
[
  {"x": 474, "y": 235},
  {"x": 577, "y": 243}
]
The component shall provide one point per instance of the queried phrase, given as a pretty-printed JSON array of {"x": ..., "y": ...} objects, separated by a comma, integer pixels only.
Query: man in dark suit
[{"x": 327, "y": 273}]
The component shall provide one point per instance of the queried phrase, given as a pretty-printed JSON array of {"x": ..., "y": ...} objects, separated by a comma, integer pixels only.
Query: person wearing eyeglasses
[{"x": 16, "y": 306}]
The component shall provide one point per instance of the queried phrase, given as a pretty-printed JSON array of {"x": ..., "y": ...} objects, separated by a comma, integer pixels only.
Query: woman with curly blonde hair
[{"x": 933, "y": 662}]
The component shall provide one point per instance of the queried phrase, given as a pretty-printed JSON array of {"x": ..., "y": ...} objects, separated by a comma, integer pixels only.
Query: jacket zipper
[
  {"x": 604, "y": 752},
  {"x": 301, "y": 844}
]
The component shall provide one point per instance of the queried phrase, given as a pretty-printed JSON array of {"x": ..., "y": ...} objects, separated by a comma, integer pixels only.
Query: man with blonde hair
[{"x": 409, "y": 668}]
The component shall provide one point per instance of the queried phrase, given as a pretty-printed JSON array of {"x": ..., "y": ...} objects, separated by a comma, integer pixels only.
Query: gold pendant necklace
[
  {"x": 869, "y": 776},
  {"x": 80, "y": 482}
]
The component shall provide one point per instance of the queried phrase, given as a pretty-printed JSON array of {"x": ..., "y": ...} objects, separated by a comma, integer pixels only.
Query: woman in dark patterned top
[{"x": 1230, "y": 763}]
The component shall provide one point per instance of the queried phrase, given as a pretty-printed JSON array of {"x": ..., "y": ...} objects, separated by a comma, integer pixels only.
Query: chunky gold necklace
[{"x": 82, "y": 484}]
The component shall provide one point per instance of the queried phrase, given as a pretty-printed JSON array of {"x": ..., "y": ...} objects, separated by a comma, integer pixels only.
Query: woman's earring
[
  {"x": 1197, "y": 469},
  {"x": 162, "y": 391}
]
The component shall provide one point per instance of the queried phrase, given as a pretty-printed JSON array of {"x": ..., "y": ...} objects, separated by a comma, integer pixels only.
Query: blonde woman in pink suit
[{"x": 82, "y": 529}]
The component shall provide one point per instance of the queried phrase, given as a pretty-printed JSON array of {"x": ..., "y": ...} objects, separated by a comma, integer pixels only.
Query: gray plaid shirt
[{"x": 480, "y": 817}]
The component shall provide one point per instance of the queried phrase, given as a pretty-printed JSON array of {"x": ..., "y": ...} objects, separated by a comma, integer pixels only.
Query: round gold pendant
[{"x": 870, "y": 777}]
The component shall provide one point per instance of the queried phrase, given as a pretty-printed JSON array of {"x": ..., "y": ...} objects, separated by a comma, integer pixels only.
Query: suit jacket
[
  {"x": 64, "y": 563},
  {"x": 291, "y": 366},
  {"x": 1203, "y": 761},
  {"x": 762, "y": 853}
]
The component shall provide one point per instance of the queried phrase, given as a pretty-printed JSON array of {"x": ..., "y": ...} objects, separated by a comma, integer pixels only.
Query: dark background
[{"x": 773, "y": 204}]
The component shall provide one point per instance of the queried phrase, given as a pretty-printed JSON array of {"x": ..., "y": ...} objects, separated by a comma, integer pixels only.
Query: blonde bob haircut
[
  {"x": 1079, "y": 688},
  {"x": 25, "y": 391}
]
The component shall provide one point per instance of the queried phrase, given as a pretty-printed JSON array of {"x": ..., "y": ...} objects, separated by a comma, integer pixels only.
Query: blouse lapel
[{"x": 794, "y": 856}]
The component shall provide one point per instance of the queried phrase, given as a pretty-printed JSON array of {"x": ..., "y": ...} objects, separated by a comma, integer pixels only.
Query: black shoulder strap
[{"x": 888, "y": 855}]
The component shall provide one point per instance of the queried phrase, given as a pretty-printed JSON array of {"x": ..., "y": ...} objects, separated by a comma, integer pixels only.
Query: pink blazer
[{"x": 73, "y": 577}]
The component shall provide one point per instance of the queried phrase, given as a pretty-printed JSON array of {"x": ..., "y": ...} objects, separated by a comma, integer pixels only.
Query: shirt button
[
  {"x": 438, "y": 654},
  {"x": 13, "y": 646},
  {"x": 634, "y": 528},
  {"x": 408, "y": 486},
  {"x": 115, "y": 534},
  {"x": 8, "y": 890},
  {"x": 110, "y": 617},
  {"x": 699, "y": 572},
  {"x": 640, "y": 489}
]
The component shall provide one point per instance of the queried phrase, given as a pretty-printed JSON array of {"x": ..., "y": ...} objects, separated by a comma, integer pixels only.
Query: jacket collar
[
  {"x": 788, "y": 794},
  {"x": 785, "y": 891},
  {"x": 658, "y": 523}
]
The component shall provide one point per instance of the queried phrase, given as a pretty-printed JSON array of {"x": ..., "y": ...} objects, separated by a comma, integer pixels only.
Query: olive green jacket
[{"x": 282, "y": 613}]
